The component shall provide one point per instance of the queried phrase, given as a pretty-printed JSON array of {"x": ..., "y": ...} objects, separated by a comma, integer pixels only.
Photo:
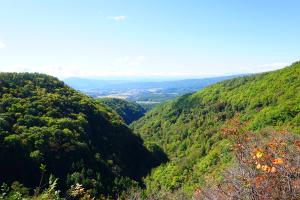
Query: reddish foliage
[{"x": 267, "y": 167}]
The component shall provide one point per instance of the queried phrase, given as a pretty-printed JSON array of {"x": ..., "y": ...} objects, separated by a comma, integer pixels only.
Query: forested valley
[{"x": 236, "y": 137}]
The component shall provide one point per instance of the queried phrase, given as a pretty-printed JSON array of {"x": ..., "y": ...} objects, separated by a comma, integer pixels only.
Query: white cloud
[
  {"x": 2, "y": 45},
  {"x": 123, "y": 66},
  {"x": 264, "y": 67},
  {"x": 52, "y": 69},
  {"x": 128, "y": 66},
  {"x": 273, "y": 66},
  {"x": 75, "y": 70},
  {"x": 130, "y": 61},
  {"x": 117, "y": 18}
]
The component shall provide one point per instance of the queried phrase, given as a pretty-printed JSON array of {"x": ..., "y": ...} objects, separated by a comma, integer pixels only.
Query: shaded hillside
[
  {"x": 129, "y": 111},
  {"x": 43, "y": 121},
  {"x": 188, "y": 129}
]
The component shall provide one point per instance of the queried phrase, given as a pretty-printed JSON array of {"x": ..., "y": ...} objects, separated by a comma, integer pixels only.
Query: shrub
[{"x": 267, "y": 167}]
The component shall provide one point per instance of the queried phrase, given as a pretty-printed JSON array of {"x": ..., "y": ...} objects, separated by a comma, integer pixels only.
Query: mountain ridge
[
  {"x": 43, "y": 122},
  {"x": 188, "y": 128}
]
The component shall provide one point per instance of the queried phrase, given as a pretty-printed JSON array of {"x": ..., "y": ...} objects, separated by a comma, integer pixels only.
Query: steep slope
[
  {"x": 129, "y": 111},
  {"x": 43, "y": 121},
  {"x": 188, "y": 129}
]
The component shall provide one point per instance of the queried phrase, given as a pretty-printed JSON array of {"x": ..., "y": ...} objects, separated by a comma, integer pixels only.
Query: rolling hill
[
  {"x": 188, "y": 129},
  {"x": 47, "y": 128},
  {"x": 129, "y": 111}
]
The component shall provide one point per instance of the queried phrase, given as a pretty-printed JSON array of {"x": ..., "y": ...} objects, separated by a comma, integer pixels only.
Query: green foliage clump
[
  {"x": 188, "y": 128},
  {"x": 18, "y": 191},
  {"x": 129, "y": 111}
]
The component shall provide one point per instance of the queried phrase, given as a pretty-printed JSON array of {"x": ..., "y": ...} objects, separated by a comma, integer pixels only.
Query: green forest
[
  {"x": 129, "y": 111},
  {"x": 56, "y": 143},
  {"x": 48, "y": 129},
  {"x": 189, "y": 128}
]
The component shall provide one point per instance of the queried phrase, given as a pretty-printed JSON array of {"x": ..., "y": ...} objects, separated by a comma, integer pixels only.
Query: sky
[{"x": 148, "y": 38}]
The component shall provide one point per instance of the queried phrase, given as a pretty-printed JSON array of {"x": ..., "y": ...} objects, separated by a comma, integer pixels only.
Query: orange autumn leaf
[
  {"x": 277, "y": 161},
  {"x": 297, "y": 143},
  {"x": 273, "y": 170},
  {"x": 266, "y": 168}
]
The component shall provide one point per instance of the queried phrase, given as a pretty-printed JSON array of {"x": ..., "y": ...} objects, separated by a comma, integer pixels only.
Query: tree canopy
[
  {"x": 77, "y": 140},
  {"x": 129, "y": 111},
  {"x": 188, "y": 128}
]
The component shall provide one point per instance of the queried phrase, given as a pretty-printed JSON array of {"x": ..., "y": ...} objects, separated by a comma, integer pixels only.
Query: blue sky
[{"x": 118, "y": 38}]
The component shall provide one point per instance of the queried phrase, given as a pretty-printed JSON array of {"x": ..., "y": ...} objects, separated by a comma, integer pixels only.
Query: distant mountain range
[
  {"x": 146, "y": 93},
  {"x": 91, "y": 84}
]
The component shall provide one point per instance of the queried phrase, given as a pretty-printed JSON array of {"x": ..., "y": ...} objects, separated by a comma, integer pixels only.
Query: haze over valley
[{"x": 143, "y": 92}]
